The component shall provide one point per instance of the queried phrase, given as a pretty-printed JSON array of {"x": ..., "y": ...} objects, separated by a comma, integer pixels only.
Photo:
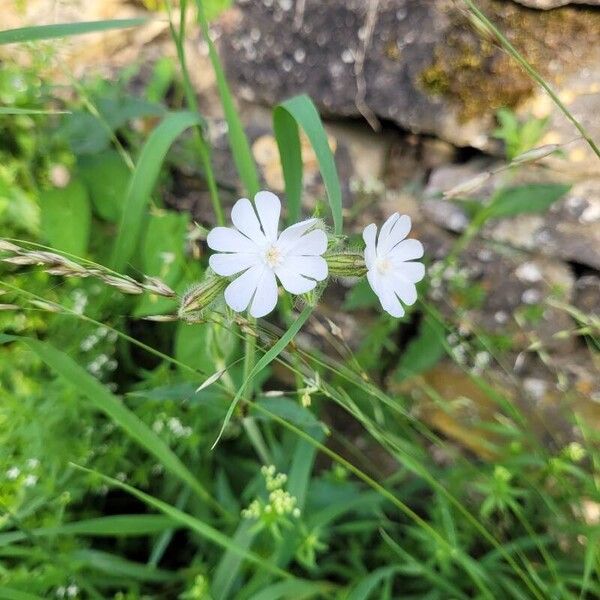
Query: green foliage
[
  {"x": 66, "y": 205},
  {"x": 328, "y": 480},
  {"x": 524, "y": 199},
  {"x": 518, "y": 137},
  {"x": 47, "y": 32},
  {"x": 287, "y": 118}
]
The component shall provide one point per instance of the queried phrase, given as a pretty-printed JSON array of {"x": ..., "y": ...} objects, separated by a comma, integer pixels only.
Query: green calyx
[
  {"x": 346, "y": 264},
  {"x": 202, "y": 295}
]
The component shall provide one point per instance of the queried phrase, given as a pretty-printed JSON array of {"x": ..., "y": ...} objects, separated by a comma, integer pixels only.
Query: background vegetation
[{"x": 110, "y": 486}]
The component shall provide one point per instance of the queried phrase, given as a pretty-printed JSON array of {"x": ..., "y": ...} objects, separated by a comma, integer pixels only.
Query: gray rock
[
  {"x": 587, "y": 294},
  {"x": 425, "y": 67},
  {"x": 570, "y": 230}
]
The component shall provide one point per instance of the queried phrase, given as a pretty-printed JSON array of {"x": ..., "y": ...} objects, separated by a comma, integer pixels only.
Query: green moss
[{"x": 474, "y": 73}]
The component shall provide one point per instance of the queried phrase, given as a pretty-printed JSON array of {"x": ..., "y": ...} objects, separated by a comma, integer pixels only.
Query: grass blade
[
  {"x": 238, "y": 141},
  {"x": 229, "y": 566},
  {"x": 287, "y": 118},
  {"x": 299, "y": 590},
  {"x": 12, "y": 594},
  {"x": 143, "y": 181},
  {"x": 48, "y": 32},
  {"x": 116, "y": 566},
  {"x": 267, "y": 358},
  {"x": 112, "y": 406},
  {"x": 9, "y": 110},
  {"x": 111, "y": 526}
]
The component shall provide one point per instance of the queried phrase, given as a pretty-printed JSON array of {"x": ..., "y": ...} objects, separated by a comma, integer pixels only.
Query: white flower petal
[
  {"x": 411, "y": 271},
  {"x": 407, "y": 250},
  {"x": 313, "y": 243},
  {"x": 403, "y": 288},
  {"x": 369, "y": 236},
  {"x": 265, "y": 298},
  {"x": 294, "y": 283},
  {"x": 289, "y": 236},
  {"x": 385, "y": 231},
  {"x": 244, "y": 218},
  {"x": 240, "y": 291},
  {"x": 230, "y": 264},
  {"x": 268, "y": 207},
  {"x": 226, "y": 239},
  {"x": 399, "y": 231},
  {"x": 385, "y": 293},
  {"x": 314, "y": 267}
]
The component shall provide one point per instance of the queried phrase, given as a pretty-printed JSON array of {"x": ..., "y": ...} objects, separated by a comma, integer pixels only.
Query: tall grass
[{"x": 424, "y": 525}]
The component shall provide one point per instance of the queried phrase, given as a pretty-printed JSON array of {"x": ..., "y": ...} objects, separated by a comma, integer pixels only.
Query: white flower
[
  {"x": 389, "y": 273},
  {"x": 255, "y": 247}
]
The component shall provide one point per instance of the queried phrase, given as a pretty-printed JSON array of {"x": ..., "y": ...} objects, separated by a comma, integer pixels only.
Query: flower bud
[
  {"x": 202, "y": 295},
  {"x": 346, "y": 264}
]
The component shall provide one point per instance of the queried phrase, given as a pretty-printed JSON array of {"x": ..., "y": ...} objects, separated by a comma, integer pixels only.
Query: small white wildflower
[
  {"x": 30, "y": 480},
  {"x": 88, "y": 343},
  {"x": 33, "y": 463},
  {"x": 13, "y": 473},
  {"x": 254, "y": 248},
  {"x": 387, "y": 257},
  {"x": 80, "y": 301},
  {"x": 175, "y": 426},
  {"x": 72, "y": 591},
  {"x": 482, "y": 360}
]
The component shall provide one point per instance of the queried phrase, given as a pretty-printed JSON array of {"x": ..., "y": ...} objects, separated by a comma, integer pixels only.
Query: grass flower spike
[
  {"x": 254, "y": 248},
  {"x": 390, "y": 270}
]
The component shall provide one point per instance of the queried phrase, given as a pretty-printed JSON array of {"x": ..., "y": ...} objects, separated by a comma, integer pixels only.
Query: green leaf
[
  {"x": 8, "y": 110},
  {"x": 12, "y": 594},
  {"x": 229, "y": 566},
  {"x": 238, "y": 141},
  {"x": 361, "y": 296},
  {"x": 368, "y": 584},
  {"x": 264, "y": 361},
  {"x": 116, "y": 566},
  {"x": 110, "y": 526},
  {"x": 48, "y": 32},
  {"x": 143, "y": 181},
  {"x": 424, "y": 351},
  {"x": 291, "y": 411},
  {"x": 531, "y": 198},
  {"x": 106, "y": 177},
  {"x": 287, "y": 117},
  {"x": 65, "y": 217},
  {"x": 298, "y": 590},
  {"x": 114, "y": 408}
]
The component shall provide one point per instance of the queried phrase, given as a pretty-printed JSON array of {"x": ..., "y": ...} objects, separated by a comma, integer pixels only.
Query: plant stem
[{"x": 202, "y": 147}]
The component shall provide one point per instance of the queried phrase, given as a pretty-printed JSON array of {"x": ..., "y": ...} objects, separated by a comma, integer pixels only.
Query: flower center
[
  {"x": 383, "y": 266},
  {"x": 272, "y": 257}
]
